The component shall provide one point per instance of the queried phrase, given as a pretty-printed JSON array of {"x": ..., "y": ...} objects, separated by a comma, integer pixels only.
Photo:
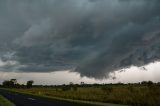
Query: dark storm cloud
[{"x": 92, "y": 37}]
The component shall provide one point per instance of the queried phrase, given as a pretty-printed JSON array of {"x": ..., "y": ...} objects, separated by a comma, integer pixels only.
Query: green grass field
[
  {"x": 5, "y": 102},
  {"x": 124, "y": 94}
]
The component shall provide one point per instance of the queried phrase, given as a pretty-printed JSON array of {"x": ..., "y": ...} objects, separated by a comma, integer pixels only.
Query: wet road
[{"x": 29, "y": 100}]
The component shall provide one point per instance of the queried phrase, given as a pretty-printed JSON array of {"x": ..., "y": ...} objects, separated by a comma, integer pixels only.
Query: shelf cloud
[{"x": 91, "y": 37}]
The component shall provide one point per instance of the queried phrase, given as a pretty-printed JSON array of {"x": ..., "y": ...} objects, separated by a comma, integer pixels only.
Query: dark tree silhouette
[
  {"x": 14, "y": 81},
  {"x": 29, "y": 83},
  {"x": 6, "y": 83},
  {"x": 10, "y": 83}
]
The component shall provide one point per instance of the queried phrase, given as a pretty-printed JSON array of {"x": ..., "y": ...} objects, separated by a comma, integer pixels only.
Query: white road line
[{"x": 31, "y": 99}]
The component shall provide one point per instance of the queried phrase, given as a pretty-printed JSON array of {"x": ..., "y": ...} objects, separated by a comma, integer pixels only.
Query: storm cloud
[{"x": 92, "y": 37}]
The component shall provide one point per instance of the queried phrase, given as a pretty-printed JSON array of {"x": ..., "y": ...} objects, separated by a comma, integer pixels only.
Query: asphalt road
[{"x": 28, "y": 100}]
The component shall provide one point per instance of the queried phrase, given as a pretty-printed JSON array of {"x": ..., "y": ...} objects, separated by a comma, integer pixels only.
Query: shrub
[
  {"x": 74, "y": 88},
  {"x": 107, "y": 89},
  {"x": 66, "y": 88}
]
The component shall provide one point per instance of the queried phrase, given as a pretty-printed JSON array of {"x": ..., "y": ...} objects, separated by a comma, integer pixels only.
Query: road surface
[{"x": 28, "y": 100}]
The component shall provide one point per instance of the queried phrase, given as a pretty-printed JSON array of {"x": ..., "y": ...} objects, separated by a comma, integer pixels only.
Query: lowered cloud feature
[{"x": 91, "y": 37}]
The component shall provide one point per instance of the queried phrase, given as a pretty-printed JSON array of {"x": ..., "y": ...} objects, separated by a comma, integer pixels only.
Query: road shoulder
[{"x": 5, "y": 102}]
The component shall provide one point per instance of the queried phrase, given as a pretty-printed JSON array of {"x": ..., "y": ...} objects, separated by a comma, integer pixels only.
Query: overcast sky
[{"x": 79, "y": 39}]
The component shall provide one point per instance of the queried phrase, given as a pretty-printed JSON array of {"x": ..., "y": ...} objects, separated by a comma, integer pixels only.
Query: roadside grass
[
  {"x": 100, "y": 96},
  {"x": 5, "y": 102}
]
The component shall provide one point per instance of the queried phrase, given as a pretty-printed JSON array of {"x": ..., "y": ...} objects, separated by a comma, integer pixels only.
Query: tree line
[{"x": 12, "y": 83}]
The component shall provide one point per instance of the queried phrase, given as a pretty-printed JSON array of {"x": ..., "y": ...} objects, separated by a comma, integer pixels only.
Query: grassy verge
[
  {"x": 86, "y": 103},
  {"x": 5, "y": 102}
]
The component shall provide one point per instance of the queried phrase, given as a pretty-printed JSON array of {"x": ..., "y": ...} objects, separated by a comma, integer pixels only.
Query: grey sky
[{"x": 91, "y": 37}]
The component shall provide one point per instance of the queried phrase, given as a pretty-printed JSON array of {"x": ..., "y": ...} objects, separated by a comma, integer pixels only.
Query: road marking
[{"x": 31, "y": 99}]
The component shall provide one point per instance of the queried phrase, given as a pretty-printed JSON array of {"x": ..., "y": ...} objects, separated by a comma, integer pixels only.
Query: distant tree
[
  {"x": 150, "y": 83},
  {"x": 144, "y": 82},
  {"x": 6, "y": 83},
  {"x": 9, "y": 83},
  {"x": 71, "y": 83},
  {"x": 82, "y": 83},
  {"x": 30, "y": 83},
  {"x": 14, "y": 81}
]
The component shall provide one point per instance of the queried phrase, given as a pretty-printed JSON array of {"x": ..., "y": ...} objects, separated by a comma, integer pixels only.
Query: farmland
[{"x": 126, "y": 94}]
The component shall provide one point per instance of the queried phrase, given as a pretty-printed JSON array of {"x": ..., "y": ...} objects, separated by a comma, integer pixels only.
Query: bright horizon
[{"x": 149, "y": 72}]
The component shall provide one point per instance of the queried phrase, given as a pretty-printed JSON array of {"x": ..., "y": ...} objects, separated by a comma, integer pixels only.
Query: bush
[
  {"x": 66, "y": 88},
  {"x": 107, "y": 89},
  {"x": 74, "y": 88}
]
